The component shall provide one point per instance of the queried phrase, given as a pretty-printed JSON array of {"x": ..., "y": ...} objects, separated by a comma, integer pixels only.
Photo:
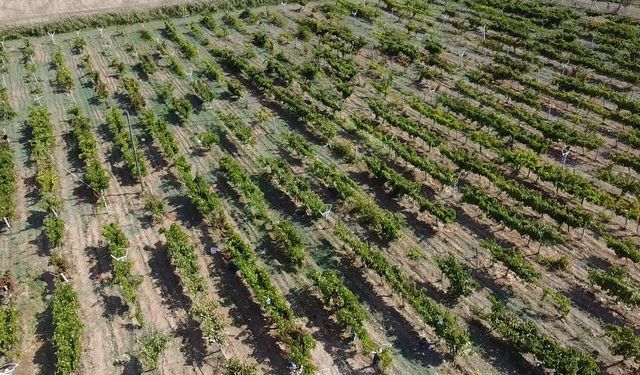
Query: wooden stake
[{"x": 135, "y": 152}]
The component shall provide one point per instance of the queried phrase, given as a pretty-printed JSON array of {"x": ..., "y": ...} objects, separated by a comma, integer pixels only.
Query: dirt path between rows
[{"x": 21, "y": 12}]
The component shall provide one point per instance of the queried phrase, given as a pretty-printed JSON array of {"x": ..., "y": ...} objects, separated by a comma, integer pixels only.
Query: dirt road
[{"x": 17, "y": 12}]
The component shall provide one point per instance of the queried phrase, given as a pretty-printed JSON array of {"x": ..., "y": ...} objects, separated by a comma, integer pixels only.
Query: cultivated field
[{"x": 330, "y": 188}]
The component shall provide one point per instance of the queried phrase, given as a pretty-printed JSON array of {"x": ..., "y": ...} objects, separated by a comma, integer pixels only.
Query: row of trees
[
  {"x": 564, "y": 214},
  {"x": 134, "y": 161},
  {"x": 6, "y": 110},
  {"x": 509, "y": 216},
  {"x": 185, "y": 260},
  {"x": 7, "y": 181},
  {"x": 64, "y": 79},
  {"x": 556, "y": 130},
  {"x": 67, "y": 328},
  {"x": 123, "y": 275},
  {"x": 525, "y": 337},
  {"x": 408, "y": 153},
  {"x": 282, "y": 232},
  {"x": 445, "y": 325},
  {"x": 95, "y": 174}
]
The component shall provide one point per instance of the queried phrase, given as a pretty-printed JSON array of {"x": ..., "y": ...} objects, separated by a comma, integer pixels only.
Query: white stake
[
  {"x": 326, "y": 213},
  {"x": 52, "y": 36},
  {"x": 37, "y": 99},
  {"x": 106, "y": 206},
  {"x": 64, "y": 278},
  {"x": 565, "y": 154},
  {"x": 7, "y": 222},
  {"x": 461, "y": 54},
  {"x": 100, "y": 29},
  {"x": 120, "y": 259},
  {"x": 70, "y": 94}
]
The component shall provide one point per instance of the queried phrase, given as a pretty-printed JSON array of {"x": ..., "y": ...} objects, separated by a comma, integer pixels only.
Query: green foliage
[
  {"x": 54, "y": 230},
  {"x": 513, "y": 259},
  {"x": 209, "y": 138},
  {"x": 203, "y": 91},
  {"x": 625, "y": 342},
  {"x": 242, "y": 131},
  {"x": 235, "y": 88},
  {"x": 235, "y": 23},
  {"x": 7, "y": 181},
  {"x": 262, "y": 40},
  {"x": 147, "y": 65},
  {"x": 150, "y": 348},
  {"x": 64, "y": 79},
  {"x": 212, "y": 71},
  {"x": 95, "y": 174},
  {"x": 400, "y": 185},
  {"x": 386, "y": 224},
  {"x": 212, "y": 323},
  {"x": 509, "y": 216},
  {"x": 123, "y": 143},
  {"x": 459, "y": 275},
  {"x": 525, "y": 338},
  {"x": 123, "y": 276},
  {"x": 239, "y": 367},
  {"x": 344, "y": 304},
  {"x": 182, "y": 108},
  {"x": 200, "y": 193},
  {"x": 297, "y": 187},
  {"x": 78, "y": 45},
  {"x": 67, "y": 328},
  {"x": 441, "y": 320},
  {"x": 159, "y": 129},
  {"x": 410, "y": 154},
  {"x": 155, "y": 206},
  {"x": 559, "y": 263},
  {"x": 183, "y": 256},
  {"x": 561, "y": 302},
  {"x": 573, "y": 216},
  {"x": 132, "y": 93},
  {"x": 9, "y": 328},
  {"x": 298, "y": 341},
  {"x": 617, "y": 284},
  {"x": 6, "y": 111},
  {"x": 400, "y": 120},
  {"x": 118, "y": 66},
  {"x": 284, "y": 234},
  {"x": 415, "y": 254},
  {"x": 395, "y": 43},
  {"x": 187, "y": 48}
]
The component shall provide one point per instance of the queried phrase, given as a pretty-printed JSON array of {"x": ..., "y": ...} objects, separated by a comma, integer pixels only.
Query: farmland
[{"x": 328, "y": 187}]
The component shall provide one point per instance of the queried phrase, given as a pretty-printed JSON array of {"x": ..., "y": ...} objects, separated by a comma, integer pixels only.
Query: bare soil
[{"x": 20, "y": 12}]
